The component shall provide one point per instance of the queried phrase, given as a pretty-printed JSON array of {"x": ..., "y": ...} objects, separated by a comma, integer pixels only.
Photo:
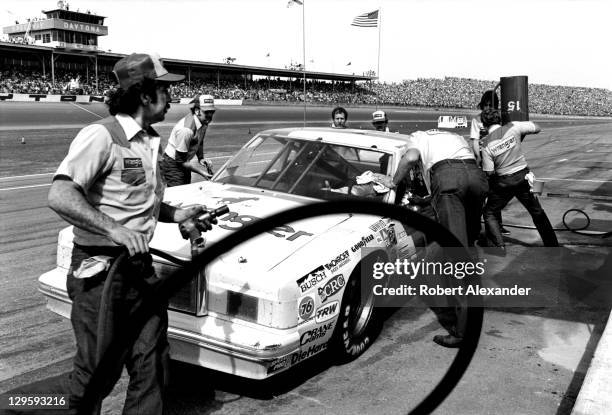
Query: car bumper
[{"x": 216, "y": 342}]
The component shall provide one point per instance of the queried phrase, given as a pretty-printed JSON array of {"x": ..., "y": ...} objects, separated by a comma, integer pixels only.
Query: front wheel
[{"x": 359, "y": 322}]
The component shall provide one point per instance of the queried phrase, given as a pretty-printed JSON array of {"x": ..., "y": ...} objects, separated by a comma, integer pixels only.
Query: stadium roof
[
  {"x": 86, "y": 13},
  {"x": 8, "y": 47}
]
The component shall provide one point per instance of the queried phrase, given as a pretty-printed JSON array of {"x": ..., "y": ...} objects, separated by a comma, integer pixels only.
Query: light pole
[{"x": 301, "y": 3}]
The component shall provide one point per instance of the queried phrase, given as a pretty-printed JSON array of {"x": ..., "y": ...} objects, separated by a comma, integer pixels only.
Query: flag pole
[
  {"x": 378, "y": 64},
  {"x": 304, "y": 54}
]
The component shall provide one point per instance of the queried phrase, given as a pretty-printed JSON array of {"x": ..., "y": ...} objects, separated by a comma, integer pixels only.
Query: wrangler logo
[{"x": 132, "y": 163}]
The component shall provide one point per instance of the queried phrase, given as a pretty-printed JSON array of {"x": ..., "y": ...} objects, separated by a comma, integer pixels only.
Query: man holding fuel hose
[{"x": 110, "y": 188}]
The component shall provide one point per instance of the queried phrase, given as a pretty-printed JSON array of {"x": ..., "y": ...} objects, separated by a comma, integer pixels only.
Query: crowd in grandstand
[{"x": 449, "y": 92}]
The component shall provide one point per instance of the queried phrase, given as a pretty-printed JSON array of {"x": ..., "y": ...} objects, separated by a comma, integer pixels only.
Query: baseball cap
[
  {"x": 379, "y": 116},
  {"x": 204, "y": 102},
  {"x": 136, "y": 67}
]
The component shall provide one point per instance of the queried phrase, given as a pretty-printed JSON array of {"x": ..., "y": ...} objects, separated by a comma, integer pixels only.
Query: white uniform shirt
[
  {"x": 501, "y": 149},
  {"x": 121, "y": 182},
  {"x": 435, "y": 146},
  {"x": 183, "y": 139}
]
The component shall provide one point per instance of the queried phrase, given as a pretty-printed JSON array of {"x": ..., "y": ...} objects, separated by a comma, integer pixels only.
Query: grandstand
[
  {"x": 66, "y": 42},
  {"x": 60, "y": 55}
]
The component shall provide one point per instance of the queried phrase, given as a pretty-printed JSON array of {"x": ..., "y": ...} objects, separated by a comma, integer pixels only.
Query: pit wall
[{"x": 10, "y": 97}]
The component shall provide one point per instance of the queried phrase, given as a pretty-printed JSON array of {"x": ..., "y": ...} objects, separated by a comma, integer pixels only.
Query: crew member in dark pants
[
  {"x": 504, "y": 161},
  {"x": 488, "y": 100},
  {"x": 458, "y": 190},
  {"x": 186, "y": 141},
  {"x": 110, "y": 188}
]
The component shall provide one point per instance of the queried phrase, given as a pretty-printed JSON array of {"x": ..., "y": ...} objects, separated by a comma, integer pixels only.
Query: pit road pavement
[{"x": 529, "y": 360}]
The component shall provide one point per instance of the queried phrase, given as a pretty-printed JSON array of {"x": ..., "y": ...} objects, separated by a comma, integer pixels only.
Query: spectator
[{"x": 339, "y": 117}]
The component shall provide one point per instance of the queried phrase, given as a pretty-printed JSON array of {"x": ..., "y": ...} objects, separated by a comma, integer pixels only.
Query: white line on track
[
  {"x": 25, "y": 187},
  {"x": 86, "y": 110},
  {"x": 575, "y": 180},
  {"x": 27, "y": 175}
]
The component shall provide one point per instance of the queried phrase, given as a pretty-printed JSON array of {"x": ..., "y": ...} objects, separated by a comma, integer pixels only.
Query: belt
[
  {"x": 452, "y": 161},
  {"x": 521, "y": 171}
]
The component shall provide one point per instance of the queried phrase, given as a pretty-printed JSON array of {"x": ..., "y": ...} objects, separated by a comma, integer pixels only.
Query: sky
[{"x": 556, "y": 42}]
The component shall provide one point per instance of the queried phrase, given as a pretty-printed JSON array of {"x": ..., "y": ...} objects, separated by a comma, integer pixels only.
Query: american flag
[{"x": 366, "y": 20}]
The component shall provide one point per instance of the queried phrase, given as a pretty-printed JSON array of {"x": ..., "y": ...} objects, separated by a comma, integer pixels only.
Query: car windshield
[{"x": 307, "y": 168}]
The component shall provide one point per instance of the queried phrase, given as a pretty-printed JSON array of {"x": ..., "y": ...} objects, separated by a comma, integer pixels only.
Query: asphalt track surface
[{"x": 529, "y": 361}]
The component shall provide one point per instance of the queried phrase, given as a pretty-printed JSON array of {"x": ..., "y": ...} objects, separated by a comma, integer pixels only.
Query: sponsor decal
[
  {"x": 93, "y": 98},
  {"x": 503, "y": 146},
  {"x": 407, "y": 248},
  {"x": 232, "y": 200},
  {"x": 306, "y": 307},
  {"x": 332, "y": 287},
  {"x": 68, "y": 98},
  {"x": 326, "y": 312},
  {"x": 5, "y": 97},
  {"x": 316, "y": 333},
  {"x": 378, "y": 226},
  {"x": 337, "y": 262},
  {"x": 361, "y": 244},
  {"x": 279, "y": 364},
  {"x": 37, "y": 97},
  {"x": 234, "y": 221},
  {"x": 132, "y": 163},
  {"x": 312, "y": 350},
  {"x": 388, "y": 236},
  {"x": 311, "y": 279}
]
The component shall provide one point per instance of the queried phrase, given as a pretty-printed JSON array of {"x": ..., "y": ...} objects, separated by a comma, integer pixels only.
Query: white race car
[{"x": 292, "y": 292}]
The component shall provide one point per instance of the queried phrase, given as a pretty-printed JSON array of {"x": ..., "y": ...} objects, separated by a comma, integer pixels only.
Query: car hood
[{"x": 260, "y": 254}]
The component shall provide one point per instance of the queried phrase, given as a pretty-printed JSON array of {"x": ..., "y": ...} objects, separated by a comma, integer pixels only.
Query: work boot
[{"x": 448, "y": 340}]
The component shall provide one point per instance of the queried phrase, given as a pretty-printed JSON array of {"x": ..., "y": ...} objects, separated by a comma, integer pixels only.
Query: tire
[{"x": 359, "y": 322}]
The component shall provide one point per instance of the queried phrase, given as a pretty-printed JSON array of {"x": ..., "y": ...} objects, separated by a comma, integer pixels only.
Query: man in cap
[
  {"x": 186, "y": 141},
  {"x": 110, "y": 188},
  {"x": 380, "y": 121}
]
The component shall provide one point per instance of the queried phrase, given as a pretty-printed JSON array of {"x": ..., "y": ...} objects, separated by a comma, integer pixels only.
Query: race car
[{"x": 293, "y": 292}]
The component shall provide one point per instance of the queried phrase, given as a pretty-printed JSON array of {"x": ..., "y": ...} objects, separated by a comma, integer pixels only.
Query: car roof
[{"x": 344, "y": 136}]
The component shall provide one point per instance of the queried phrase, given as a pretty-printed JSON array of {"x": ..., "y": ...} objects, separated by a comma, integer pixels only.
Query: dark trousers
[
  {"x": 173, "y": 172},
  {"x": 458, "y": 190},
  {"x": 503, "y": 189},
  {"x": 146, "y": 361}
]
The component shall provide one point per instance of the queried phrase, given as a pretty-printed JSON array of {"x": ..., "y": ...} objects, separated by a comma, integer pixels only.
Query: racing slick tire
[{"x": 359, "y": 322}]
